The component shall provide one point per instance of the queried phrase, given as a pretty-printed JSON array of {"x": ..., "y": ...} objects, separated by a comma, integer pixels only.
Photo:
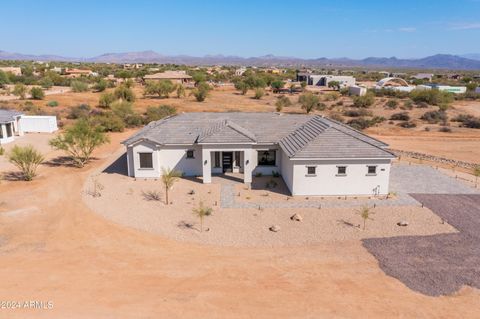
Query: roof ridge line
[{"x": 380, "y": 148}]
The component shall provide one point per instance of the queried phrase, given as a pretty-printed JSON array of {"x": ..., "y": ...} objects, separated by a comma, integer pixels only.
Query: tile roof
[
  {"x": 7, "y": 116},
  {"x": 299, "y": 135}
]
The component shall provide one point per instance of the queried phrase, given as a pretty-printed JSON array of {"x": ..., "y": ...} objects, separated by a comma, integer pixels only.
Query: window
[
  {"x": 146, "y": 160},
  {"x": 9, "y": 129},
  {"x": 311, "y": 170},
  {"x": 266, "y": 158},
  {"x": 237, "y": 159},
  {"x": 190, "y": 154},
  {"x": 341, "y": 170},
  {"x": 372, "y": 170},
  {"x": 217, "y": 159}
]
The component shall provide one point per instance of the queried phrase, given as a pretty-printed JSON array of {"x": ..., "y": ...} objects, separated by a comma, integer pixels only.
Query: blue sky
[{"x": 308, "y": 29}]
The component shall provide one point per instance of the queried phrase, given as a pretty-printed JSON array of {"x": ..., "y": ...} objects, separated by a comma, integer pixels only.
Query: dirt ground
[{"x": 53, "y": 248}]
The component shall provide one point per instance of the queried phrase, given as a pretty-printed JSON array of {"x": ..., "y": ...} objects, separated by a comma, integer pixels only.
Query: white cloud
[
  {"x": 465, "y": 26},
  {"x": 407, "y": 29}
]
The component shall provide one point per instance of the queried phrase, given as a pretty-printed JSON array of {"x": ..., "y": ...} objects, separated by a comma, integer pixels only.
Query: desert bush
[
  {"x": 277, "y": 85},
  {"x": 79, "y": 86},
  {"x": 259, "y": 93},
  {"x": 364, "y": 101},
  {"x": 432, "y": 97},
  {"x": 407, "y": 124},
  {"x": 37, "y": 93},
  {"x": 27, "y": 159},
  {"x": 46, "y": 82},
  {"x": 445, "y": 129},
  {"x": 155, "y": 113},
  {"x": 241, "y": 86},
  {"x": 332, "y": 96},
  {"x": 434, "y": 117},
  {"x": 180, "y": 91},
  {"x": 52, "y": 103},
  {"x": 282, "y": 101},
  {"x": 408, "y": 105},
  {"x": 356, "y": 113},
  {"x": 391, "y": 104},
  {"x": 472, "y": 123},
  {"x": 422, "y": 105},
  {"x": 359, "y": 123},
  {"x": 152, "y": 196},
  {"x": 20, "y": 90},
  {"x": 79, "y": 111},
  {"x": 337, "y": 117},
  {"x": 123, "y": 92},
  {"x": 403, "y": 116},
  {"x": 162, "y": 88},
  {"x": 201, "y": 91},
  {"x": 124, "y": 110},
  {"x": 309, "y": 102},
  {"x": 79, "y": 141},
  {"x": 106, "y": 99},
  {"x": 107, "y": 122},
  {"x": 101, "y": 85},
  {"x": 2, "y": 151}
]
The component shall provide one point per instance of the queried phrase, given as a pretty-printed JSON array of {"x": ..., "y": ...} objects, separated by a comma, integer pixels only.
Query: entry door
[{"x": 227, "y": 158}]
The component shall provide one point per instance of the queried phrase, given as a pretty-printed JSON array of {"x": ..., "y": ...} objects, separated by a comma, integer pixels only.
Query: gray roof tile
[{"x": 8, "y": 115}]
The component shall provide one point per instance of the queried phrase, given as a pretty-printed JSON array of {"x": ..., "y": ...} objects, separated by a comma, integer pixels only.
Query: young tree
[
  {"x": 79, "y": 141},
  {"x": 3, "y": 79},
  {"x": 37, "y": 93},
  {"x": 242, "y": 86},
  {"x": 309, "y": 102},
  {"x": 164, "y": 88},
  {"x": 101, "y": 85},
  {"x": 303, "y": 84},
  {"x": 79, "y": 86},
  {"x": 46, "y": 82},
  {"x": 26, "y": 159},
  {"x": 365, "y": 213},
  {"x": 282, "y": 101},
  {"x": 20, "y": 90},
  {"x": 169, "y": 177},
  {"x": 277, "y": 85},
  {"x": 180, "y": 91},
  {"x": 201, "y": 212},
  {"x": 201, "y": 91}
]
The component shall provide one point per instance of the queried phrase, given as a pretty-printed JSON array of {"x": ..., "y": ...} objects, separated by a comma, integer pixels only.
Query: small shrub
[
  {"x": 52, "y": 104},
  {"x": 106, "y": 99},
  {"x": 391, "y": 104},
  {"x": 407, "y": 124},
  {"x": 445, "y": 129},
  {"x": 364, "y": 101},
  {"x": 201, "y": 91},
  {"x": 400, "y": 117},
  {"x": 259, "y": 93},
  {"x": 37, "y": 93},
  {"x": 107, "y": 122},
  {"x": 2, "y": 151},
  {"x": 79, "y": 86},
  {"x": 434, "y": 117},
  {"x": 337, "y": 117},
  {"x": 408, "y": 105},
  {"x": 360, "y": 123},
  {"x": 152, "y": 196},
  {"x": 79, "y": 111},
  {"x": 282, "y": 101},
  {"x": 356, "y": 113},
  {"x": 27, "y": 159},
  {"x": 123, "y": 92},
  {"x": 422, "y": 105},
  {"x": 155, "y": 113},
  {"x": 472, "y": 123}
]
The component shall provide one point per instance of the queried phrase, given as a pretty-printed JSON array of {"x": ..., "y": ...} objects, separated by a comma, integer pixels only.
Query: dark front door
[{"x": 227, "y": 158}]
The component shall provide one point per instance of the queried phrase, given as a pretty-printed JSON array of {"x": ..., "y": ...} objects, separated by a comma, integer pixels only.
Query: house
[
  {"x": 240, "y": 71},
  {"x": 444, "y": 88},
  {"x": 324, "y": 79},
  {"x": 357, "y": 90},
  {"x": 9, "y": 125},
  {"x": 13, "y": 123},
  {"x": 76, "y": 73},
  {"x": 175, "y": 76},
  {"x": 424, "y": 76},
  {"x": 477, "y": 90},
  {"x": 17, "y": 71},
  {"x": 314, "y": 155}
]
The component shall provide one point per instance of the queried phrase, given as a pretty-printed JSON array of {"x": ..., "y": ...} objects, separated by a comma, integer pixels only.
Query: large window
[
  {"x": 237, "y": 159},
  {"x": 9, "y": 129},
  {"x": 146, "y": 160},
  {"x": 266, "y": 158}
]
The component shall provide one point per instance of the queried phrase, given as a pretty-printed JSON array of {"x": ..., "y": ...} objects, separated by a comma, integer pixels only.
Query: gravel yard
[
  {"x": 126, "y": 201},
  {"x": 439, "y": 264}
]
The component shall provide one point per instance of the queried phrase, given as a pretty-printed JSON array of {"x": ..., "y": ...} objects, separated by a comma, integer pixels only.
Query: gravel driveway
[{"x": 438, "y": 264}]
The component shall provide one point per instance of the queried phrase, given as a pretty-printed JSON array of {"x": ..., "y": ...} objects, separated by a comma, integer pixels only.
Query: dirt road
[{"x": 52, "y": 248}]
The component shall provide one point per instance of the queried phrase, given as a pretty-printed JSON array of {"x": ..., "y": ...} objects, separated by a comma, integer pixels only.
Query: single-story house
[
  {"x": 12, "y": 69},
  {"x": 313, "y": 154},
  {"x": 175, "y": 76},
  {"x": 13, "y": 123},
  {"x": 324, "y": 79}
]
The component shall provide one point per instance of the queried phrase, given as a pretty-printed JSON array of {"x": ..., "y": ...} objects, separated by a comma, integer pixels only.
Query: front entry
[{"x": 227, "y": 158}]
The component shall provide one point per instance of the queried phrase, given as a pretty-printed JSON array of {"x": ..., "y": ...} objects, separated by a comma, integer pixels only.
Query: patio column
[
  {"x": 206, "y": 166},
  {"x": 248, "y": 166}
]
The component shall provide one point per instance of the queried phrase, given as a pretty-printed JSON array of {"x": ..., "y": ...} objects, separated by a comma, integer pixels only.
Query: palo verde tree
[
  {"x": 20, "y": 90},
  {"x": 309, "y": 102},
  {"x": 79, "y": 141},
  {"x": 201, "y": 212},
  {"x": 27, "y": 159},
  {"x": 169, "y": 177}
]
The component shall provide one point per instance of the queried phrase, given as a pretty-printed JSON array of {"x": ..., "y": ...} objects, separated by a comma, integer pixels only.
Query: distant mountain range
[{"x": 439, "y": 61}]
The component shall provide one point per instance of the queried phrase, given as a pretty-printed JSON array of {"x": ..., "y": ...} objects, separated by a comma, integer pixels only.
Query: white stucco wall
[
  {"x": 327, "y": 183},
  {"x": 175, "y": 157},
  {"x": 286, "y": 170},
  {"x": 144, "y": 147},
  {"x": 35, "y": 124}
]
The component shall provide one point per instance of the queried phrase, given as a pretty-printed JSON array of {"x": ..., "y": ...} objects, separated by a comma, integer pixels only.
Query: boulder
[
  {"x": 274, "y": 228},
  {"x": 296, "y": 217},
  {"x": 402, "y": 223}
]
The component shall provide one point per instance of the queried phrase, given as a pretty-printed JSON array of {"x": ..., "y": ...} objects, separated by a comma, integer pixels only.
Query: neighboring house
[
  {"x": 175, "y": 76},
  {"x": 314, "y": 155},
  {"x": 13, "y": 123},
  {"x": 324, "y": 79},
  {"x": 444, "y": 88},
  {"x": 477, "y": 90},
  {"x": 424, "y": 76},
  {"x": 76, "y": 73},
  {"x": 240, "y": 71},
  {"x": 357, "y": 90},
  {"x": 12, "y": 69},
  {"x": 396, "y": 84}
]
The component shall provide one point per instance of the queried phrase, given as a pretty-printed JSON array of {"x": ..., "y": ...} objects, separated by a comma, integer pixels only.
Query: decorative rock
[
  {"x": 402, "y": 223},
  {"x": 296, "y": 217},
  {"x": 274, "y": 228}
]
